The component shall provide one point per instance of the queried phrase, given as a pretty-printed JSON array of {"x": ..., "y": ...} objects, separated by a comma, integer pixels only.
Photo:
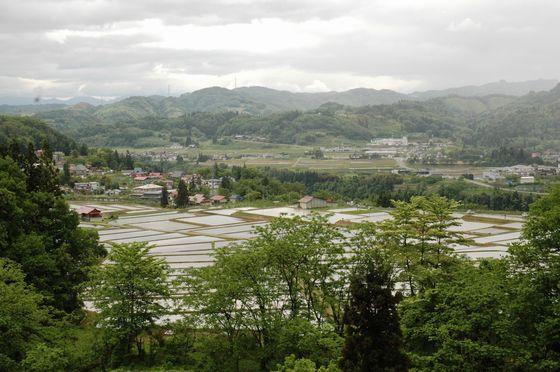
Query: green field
[
  {"x": 278, "y": 155},
  {"x": 336, "y": 164}
]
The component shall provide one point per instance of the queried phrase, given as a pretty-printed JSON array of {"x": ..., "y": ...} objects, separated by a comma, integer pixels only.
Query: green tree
[
  {"x": 41, "y": 233},
  {"x": 45, "y": 358},
  {"x": 420, "y": 236},
  {"x": 373, "y": 335},
  {"x": 128, "y": 161},
  {"x": 164, "y": 201},
  {"x": 84, "y": 151},
  {"x": 226, "y": 183},
  {"x": 467, "y": 322},
  {"x": 285, "y": 289},
  {"x": 182, "y": 199},
  {"x": 130, "y": 294},
  {"x": 292, "y": 364},
  {"x": 22, "y": 316},
  {"x": 66, "y": 177},
  {"x": 317, "y": 154},
  {"x": 536, "y": 264}
]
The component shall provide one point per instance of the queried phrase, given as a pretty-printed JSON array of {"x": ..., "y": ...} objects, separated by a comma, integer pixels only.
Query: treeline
[
  {"x": 505, "y": 156},
  {"x": 495, "y": 199},
  {"x": 111, "y": 159},
  {"x": 381, "y": 189},
  {"x": 254, "y": 184},
  {"x": 492, "y": 157}
]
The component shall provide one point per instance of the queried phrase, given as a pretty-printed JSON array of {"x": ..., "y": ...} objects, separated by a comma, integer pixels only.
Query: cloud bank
[{"x": 64, "y": 48}]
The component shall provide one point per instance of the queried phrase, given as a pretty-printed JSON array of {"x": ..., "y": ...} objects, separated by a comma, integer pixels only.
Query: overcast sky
[{"x": 63, "y": 48}]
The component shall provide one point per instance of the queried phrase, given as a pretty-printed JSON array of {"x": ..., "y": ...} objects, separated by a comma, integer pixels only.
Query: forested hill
[
  {"x": 25, "y": 130},
  {"x": 330, "y": 123},
  {"x": 531, "y": 120},
  {"x": 253, "y": 101}
]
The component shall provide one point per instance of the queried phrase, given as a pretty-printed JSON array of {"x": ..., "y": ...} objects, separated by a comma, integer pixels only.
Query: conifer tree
[
  {"x": 164, "y": 197},
  {"x": 182, "y": 199},
  {"x": 373, "y": 336},
  {"x": 66, "y": 176}
]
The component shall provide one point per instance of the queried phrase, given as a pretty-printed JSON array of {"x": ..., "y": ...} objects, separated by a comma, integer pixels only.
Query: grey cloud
[{"x": 404, "y": 39}]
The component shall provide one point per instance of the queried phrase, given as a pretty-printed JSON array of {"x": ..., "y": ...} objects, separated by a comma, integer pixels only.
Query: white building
[
  {"x": 527, "y": 179},
  {"x": 390, "y": 141}
]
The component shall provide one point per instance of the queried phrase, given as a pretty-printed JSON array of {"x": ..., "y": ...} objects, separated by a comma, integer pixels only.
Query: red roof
[
  {"x": 88, "y": 210},
  {"x": 218, "y": 197}
]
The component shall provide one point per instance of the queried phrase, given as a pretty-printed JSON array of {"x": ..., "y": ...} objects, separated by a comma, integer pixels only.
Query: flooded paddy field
[{"x": 189, "y": 238}]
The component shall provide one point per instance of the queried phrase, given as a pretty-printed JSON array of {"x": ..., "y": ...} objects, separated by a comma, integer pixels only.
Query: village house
[
  {"x": 58, "y": 158},
  {"x": 520, "y": 170},
  {"x": 155, "y": 176},
  {"x": 310, "y": 202},
  {"x": 212, "y": 183},
  {"x": 198, "y": 199},
  {"x": 546, "y": 170},
  {"x": 218, "y": 199},
  {"x": 149, "y": 191},
  {"x": 167, "y": 183},
  {"x": 492, "y": 176},
  {"x": 192, "y": 178},
  {"x": 87, "y": 187},
  {"x": 89, "y": 213},
  {"x": 235, "y": 198},
  {"x": 113, "y": 192},
  {"x": 78, "y": 169},
  {"x": 139, "y": 178}
]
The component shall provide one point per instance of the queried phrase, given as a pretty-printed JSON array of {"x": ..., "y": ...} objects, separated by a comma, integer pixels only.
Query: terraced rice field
[{"x": 188, "y": 239}]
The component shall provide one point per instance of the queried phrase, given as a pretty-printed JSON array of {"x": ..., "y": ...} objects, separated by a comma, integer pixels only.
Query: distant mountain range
[
  {"x": 260, "y": 100},
  {"x": 473, "y": 118},
  {"x": 501, "y": 87},
  {"x": 22, "y": 101}
]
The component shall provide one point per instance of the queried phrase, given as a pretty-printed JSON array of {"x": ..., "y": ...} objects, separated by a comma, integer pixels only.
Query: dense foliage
[
  {"x": 130, "y": 294},
  {"x": 38, "y": 230},
  {"x": 532, "y": 121},
  {"x": 24, "y": 130},
  {"x": 44, "y": 258}
]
